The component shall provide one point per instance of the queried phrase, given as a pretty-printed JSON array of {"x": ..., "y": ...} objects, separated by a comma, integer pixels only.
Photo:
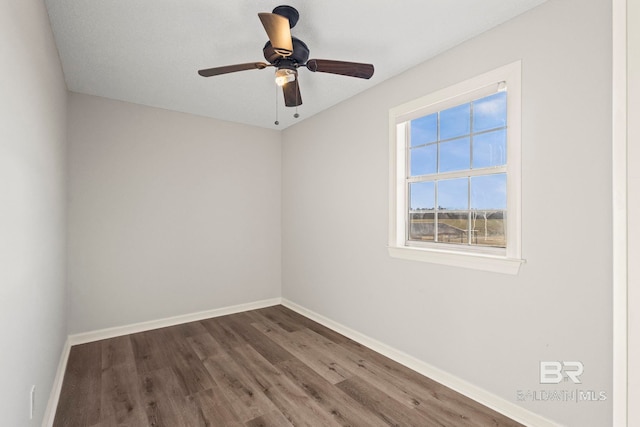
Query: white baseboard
[
  {"x": 54, "y": 396},
  {"x": 118, "y": 331},
  {"x": 476, "y": 393}
]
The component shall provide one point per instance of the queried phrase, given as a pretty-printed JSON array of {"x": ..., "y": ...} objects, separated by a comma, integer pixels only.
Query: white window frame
[{"x": 507, "y": 260}]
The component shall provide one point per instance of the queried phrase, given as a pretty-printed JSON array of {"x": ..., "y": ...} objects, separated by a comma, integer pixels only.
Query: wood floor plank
[
  {"x": 307, "y": 323},
  {"x": 79, "y": 404},
  {"x": 321, "y": 362},
  {"x": 116, "y": 351},
  {"x": 188, "y": 329},
  {"x": 272, "y": 419},
  {"x": 210, "y": 408},
  {"x": 292, "y": 401},
  {"x": 272, "y": 351},
  {"x": 401, "y": 390},
  {"x": 162, "y": 396},
  {"x": 120, "y": 396},
  {"x": 278, "y": 317},
  {"x": 382, "y": 405},
  {"x": 244, "y": 394},
  {"x": 219, "y": 329},
  {"x": 266, "y": 367},
  {"x": 188, "y": 367},
  {"x": 204, "y": 345},
  {"x": 148, "y": 350},
  {"x": 334, "y": 401}
]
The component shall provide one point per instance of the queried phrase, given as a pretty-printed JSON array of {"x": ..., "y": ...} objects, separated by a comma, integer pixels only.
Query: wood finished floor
[{"x": 268, "y": 367}]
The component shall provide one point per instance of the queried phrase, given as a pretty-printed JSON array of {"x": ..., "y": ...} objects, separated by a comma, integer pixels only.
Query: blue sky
[{"x": 450, "y": 148}]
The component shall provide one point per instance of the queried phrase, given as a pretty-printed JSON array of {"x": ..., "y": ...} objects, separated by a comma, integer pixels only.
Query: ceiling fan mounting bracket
[{"x": 288, "y": 12}]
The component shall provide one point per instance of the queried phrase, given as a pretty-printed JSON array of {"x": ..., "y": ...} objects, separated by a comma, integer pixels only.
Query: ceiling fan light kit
[
  {"x": 284, "y": 76},
  {"x": 287, "y": 53}
]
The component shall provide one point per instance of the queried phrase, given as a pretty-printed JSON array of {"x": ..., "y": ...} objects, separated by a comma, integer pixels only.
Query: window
[{"x": 455, "y": 174}]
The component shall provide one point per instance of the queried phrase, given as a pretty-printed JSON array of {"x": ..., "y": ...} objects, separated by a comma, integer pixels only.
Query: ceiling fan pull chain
[{"x": 276, "y": 122}]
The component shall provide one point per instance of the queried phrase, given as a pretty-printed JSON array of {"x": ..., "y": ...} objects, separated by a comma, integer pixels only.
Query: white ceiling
[{"x": 148, "y": 52}]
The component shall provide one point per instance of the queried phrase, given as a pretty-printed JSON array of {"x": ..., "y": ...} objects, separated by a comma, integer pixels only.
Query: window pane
[
  {"x": 490, "y": 149},
  {"x": 424, "y": 130},
  {"x": 490, "y": 112},
  {"x": 455, "y": 121},
  {"x": 489, "y": 228},
  {"x": 453, "y": 194},
  {"x": 421, "y": 226},
  {"x": 453, "y": 226},
  {"x": 422, "y": 196},
  {"x": 455, "y": 155},
  {"x": 423, "y": 160},
  {"x": 489, "y": 191}
]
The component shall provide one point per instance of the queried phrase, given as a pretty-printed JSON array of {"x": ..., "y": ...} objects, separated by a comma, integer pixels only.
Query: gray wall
[
  {"x": 488, "y": 329},
  {"x": 32, "y": 210},
  {"x": 169, "y": 213}
]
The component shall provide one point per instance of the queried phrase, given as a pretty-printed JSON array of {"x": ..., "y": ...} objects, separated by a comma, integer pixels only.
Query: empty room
[{"x": 355, "y": 213}]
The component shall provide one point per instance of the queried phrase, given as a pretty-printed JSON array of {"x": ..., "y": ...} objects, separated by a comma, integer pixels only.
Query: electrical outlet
[{"x": 32, "y": 401}]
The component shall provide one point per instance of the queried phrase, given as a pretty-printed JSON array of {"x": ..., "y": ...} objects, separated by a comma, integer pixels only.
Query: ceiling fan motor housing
[{"x": 299, "y": 56}]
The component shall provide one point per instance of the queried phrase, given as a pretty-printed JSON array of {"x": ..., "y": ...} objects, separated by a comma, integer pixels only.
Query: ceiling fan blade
[
  {"x": 279, "y": 32},
  {"x": 208, "y": 72},
  {"x": 292, "y": 97},
  {"x": 351, "y": 69}
]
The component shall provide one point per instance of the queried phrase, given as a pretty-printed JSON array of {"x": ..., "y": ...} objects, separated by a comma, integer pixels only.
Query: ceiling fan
[{"x": 287, "y": 53}]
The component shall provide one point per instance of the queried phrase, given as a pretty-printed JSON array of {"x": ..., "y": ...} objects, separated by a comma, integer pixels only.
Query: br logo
[{"x": 554, "y": 372}]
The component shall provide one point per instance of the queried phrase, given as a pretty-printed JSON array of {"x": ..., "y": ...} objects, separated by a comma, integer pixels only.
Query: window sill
[{"x": 475, "y": 261}]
